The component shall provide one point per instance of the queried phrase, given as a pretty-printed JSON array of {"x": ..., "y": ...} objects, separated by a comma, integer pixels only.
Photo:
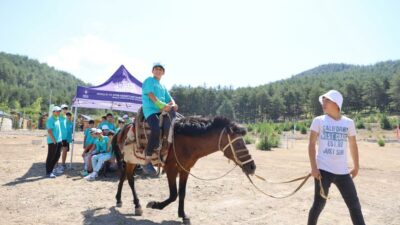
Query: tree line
[
  {"x": 366, "y": 89},
  {"x": 25, "y": 85}
]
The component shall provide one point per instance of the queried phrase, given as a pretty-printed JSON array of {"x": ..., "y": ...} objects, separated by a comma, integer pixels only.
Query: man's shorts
[{"x": 65, "y": 144}]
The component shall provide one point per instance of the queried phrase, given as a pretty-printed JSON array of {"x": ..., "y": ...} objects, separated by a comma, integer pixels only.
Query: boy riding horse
[{"x": 155, "y": 98}]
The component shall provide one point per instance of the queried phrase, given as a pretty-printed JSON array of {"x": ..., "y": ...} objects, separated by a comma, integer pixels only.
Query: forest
[{"x": 25, "y": 85}]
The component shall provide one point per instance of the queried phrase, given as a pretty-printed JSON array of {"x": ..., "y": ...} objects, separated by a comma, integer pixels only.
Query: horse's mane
[{"x": 195, "y": 126}]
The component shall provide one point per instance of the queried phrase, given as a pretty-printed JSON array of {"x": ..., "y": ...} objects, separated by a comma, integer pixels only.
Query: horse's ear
[{"x": 238, "y": 129}]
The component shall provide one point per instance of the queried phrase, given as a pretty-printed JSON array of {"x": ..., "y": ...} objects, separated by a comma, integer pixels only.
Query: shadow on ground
[{"x": 115, "y": 217}]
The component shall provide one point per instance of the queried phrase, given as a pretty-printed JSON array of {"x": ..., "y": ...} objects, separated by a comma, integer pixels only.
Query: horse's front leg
[
  {"x": 130, "y": 169},
  {"x": 120, "y": 185},
  {"x": 183, "y": 177},
  {"x": 171, "y": 175}
]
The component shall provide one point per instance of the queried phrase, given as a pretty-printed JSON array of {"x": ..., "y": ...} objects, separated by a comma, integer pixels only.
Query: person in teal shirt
[
  {"x": 70, "y": 128},
  {"x": 103, "y": 120},
  {"x": 155, "y": 99},
  {"x": 54, "y": 139},
  {"x": 109, "y": 122},
  {"x": 103, "y": 152},
  {"x": 88, "y": 139},
  {"x": 64, "y": 133}
]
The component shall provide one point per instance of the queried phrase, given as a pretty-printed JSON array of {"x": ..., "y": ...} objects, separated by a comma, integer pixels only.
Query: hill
[{"x": 24, "y": 81}]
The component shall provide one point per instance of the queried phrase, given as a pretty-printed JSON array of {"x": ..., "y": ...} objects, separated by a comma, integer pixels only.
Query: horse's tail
[{"x": 116, "y": 149}]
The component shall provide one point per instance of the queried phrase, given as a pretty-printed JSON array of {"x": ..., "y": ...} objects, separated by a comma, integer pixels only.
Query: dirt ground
[{"x": 29, "y": 198}]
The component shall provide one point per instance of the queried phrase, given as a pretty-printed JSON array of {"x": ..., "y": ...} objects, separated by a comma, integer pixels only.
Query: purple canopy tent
[{"x": 121, "y": 91}]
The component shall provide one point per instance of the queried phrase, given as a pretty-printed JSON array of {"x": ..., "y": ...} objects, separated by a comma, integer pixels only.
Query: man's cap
[
  {"x": 105, "y": 127},
  {"x": 64, "y": 106},
  {"x": 334, "y": 96}
]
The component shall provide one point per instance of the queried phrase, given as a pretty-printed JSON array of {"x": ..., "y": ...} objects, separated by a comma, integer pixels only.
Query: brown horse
[{"x": 194, "y": 138}]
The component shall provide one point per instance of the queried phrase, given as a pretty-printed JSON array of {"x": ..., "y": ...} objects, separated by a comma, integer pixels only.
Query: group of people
[
  {"x": 331, "y": 131},
  {"x": 97, "y": 148},
  {"x": 59, "y": 128}
]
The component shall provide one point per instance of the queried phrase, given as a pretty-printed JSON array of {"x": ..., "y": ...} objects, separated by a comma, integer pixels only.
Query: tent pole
[{"x": 73, "y": 136}]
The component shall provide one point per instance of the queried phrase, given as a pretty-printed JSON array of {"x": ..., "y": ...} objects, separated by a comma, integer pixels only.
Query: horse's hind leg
[
  {"x": 120, "y": 185},
  {"x": 173, "y": 194},
  {"x": 129, "y": 173}
]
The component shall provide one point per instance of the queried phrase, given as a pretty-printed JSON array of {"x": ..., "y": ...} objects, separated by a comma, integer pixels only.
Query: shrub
[
  {"x": 249, "y": 128},
  {"x": 268, "y": 141},
  {"x": 360, "y": 124},
  {"x": 381, "y": 142},
  {"x": 303, "y": 130},
  {"x": 385, "y": 123}
]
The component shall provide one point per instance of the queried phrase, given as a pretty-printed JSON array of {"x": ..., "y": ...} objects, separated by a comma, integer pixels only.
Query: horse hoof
[
  {"x": 150, "y": 205},
  {"x": 138, "y": 211},
  {"x": 119, "y": 204},
  {"x": 186, "y": 221}
]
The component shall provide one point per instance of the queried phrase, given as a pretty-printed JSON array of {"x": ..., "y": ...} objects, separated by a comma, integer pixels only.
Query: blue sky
[{"x": 224, "y": 42}]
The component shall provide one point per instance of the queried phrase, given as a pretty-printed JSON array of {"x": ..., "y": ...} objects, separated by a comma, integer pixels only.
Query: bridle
[
  {"x": 234, "y": 153},
  {"x": 233, "y": 150}
]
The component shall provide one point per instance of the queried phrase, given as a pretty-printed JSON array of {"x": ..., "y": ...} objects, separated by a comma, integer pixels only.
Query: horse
[{"x": 194, "y": 138}]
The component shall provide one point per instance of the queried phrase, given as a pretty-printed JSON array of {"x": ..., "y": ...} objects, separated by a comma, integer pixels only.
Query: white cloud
[{"x": 94, "y": 59}]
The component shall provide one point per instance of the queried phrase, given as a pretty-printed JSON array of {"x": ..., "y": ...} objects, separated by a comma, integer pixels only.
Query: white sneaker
[
  {"x": 51, "y": 175},
  {"x": 90, "y": 177},
  {"x": 58, "y": 171}
]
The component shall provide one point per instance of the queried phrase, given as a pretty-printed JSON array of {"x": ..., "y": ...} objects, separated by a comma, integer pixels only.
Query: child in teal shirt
[{"x": 155, "y": 98}]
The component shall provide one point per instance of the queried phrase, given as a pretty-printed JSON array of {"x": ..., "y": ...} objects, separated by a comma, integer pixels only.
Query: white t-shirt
[{"x": 332, "y": 142}]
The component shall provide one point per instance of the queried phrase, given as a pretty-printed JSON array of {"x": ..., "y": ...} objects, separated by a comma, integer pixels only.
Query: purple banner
[{"x": 89, "y": 93}]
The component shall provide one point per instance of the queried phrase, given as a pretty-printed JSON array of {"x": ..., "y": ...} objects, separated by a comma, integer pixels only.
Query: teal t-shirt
[
  {"x": 89, "y": 139},
  {"x": 70, "y": 127},
  {"x": 100, "y": 124},
  {"x": 101, "y": 145},
  {"x": 111, "y": 126},
  {"x": 152, "y": 85},
  {"x": 53, "y": 123},
  {"x": 63, "y": 125}
]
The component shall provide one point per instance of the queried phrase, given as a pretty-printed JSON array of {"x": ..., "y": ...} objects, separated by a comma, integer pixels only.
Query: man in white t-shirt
[{"x": 329, "y": 163}]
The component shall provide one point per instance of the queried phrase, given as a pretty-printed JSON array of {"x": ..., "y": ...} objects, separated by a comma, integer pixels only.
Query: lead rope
[{"x": 304, "y": 178}]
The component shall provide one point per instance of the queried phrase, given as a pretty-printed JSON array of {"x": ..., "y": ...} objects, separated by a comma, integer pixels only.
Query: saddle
[{"x": 143, "y": 132}]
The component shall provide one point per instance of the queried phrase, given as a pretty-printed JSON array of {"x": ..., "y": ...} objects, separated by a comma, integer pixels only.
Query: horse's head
[
  {"x": 231, "y": 142},
  {"x": 229, "y": 138}
]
